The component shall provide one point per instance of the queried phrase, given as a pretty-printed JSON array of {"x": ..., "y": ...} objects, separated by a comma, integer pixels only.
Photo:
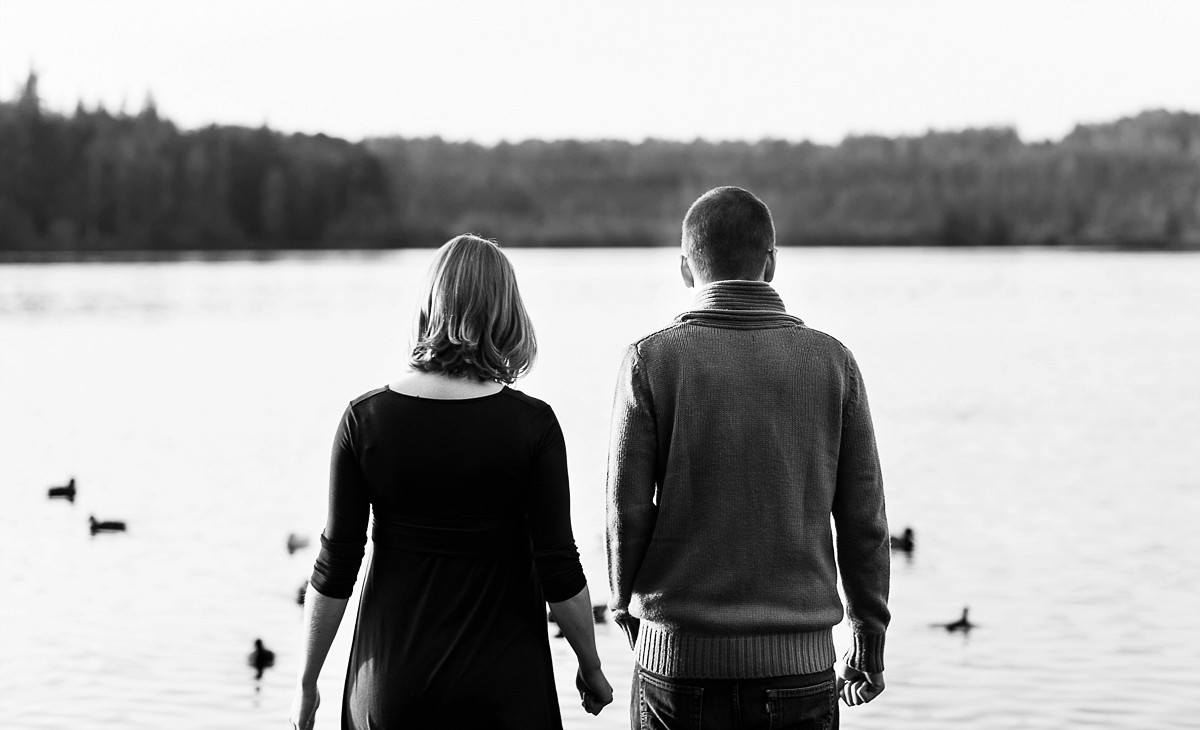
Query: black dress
[{"x": 472, "y": 534}]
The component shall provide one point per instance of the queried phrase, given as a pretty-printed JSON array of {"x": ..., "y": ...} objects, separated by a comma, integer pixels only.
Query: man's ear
[
  {"x": 686, "y": 272},
  {"x": 769, "y": 271}
]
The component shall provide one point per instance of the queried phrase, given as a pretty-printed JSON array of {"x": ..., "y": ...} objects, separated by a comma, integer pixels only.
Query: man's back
[
  {"x": 737, "y": 432},
  {"x": 721, "y": 532}
]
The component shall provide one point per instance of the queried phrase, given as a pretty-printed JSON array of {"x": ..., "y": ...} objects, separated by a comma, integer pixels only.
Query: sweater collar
[{"x": 738, "y": 303}]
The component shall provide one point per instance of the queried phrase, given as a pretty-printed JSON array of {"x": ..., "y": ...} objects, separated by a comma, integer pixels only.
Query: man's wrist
[
  {"x": 629, "y": 624},
  {"x": 865, "y": 653}
]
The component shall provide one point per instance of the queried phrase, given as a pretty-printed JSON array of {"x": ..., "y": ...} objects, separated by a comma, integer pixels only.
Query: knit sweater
[{"x": 737, "y": 431}]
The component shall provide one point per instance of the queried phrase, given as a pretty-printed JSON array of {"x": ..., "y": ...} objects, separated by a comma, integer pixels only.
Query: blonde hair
[{"x": 472, "y": 321}]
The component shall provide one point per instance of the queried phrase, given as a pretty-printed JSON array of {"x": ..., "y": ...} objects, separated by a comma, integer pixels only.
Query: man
[{"x": 737, "y": 432}]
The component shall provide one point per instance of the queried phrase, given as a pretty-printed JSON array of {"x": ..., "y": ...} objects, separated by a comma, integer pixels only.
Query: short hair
[
  {"x": 727, "y": 234},
  {"x": 472, "y": 321}
]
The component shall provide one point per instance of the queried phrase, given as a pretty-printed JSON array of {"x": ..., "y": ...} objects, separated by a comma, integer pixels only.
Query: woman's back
[
  {"x": 481, "y": 456},
  {"x": 468, "y": 496},
  {"x": 467, "y": 480}
]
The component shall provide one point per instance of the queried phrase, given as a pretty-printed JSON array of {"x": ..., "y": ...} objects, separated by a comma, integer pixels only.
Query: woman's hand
[
  {"x": 304, "y": 707},
  {"x": 594, "y": 689}
]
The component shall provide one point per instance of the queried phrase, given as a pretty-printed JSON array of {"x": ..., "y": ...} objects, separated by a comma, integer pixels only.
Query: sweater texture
[{"x": 737, "y": 431}]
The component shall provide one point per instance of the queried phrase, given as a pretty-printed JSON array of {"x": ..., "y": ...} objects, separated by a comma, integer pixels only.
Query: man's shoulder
[
  {"x": 827, "y": 339},
  {"x": 799, "y": 334},
  {"x": 657, "y": 336}
]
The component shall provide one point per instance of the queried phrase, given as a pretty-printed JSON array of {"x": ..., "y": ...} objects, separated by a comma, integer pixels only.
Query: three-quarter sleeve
[
  {"x": 345, "y": 534},
  {"x": 549, "y": 512}
]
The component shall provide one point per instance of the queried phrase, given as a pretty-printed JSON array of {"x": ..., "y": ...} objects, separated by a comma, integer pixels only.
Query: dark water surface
[{"x": 1038, "y": 416}]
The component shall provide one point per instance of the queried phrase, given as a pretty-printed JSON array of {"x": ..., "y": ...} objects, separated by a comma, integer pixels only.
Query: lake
[{"x": 1038, "y": 417}]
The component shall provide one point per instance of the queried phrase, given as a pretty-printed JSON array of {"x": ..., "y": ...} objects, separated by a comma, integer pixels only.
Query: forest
[{"x": 95, "y": 181}]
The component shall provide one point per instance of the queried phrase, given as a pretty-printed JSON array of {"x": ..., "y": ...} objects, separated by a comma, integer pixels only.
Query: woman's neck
[{"x": 444, "y": 387}]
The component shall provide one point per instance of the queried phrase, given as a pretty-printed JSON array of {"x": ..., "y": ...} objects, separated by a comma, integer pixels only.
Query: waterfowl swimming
[
  {"x": 904, "y": 543},
  {"x": 261, "y": 658},
  {"x": 963, "y": 624},
  {"x": 66, "y": 492},
  {"x": 296, "y": 542},
  {"x": 106, "y": 526}
]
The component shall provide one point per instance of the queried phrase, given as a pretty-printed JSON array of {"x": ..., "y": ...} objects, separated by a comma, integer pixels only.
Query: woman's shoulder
[
  {"x": 368, "y": 395},
  {"x": 524, "y": 400}
]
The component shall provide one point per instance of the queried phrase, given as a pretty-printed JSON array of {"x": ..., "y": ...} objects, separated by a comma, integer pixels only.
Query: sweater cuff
[
  {"x": 629, "y": 625},
  {"x": 865, "y": 653}
]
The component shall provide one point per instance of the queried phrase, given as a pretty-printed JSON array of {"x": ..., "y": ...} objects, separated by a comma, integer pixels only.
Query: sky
[{"x": 514, "y": 70}]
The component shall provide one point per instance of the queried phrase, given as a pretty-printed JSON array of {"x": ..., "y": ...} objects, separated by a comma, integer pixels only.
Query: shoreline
[{"x": 154, "y": 256}]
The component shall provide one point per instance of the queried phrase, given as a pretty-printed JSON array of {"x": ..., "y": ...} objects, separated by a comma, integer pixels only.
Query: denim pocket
[
  {"x": 802, "y": 708},
  {"x": 663, "y": 705}
]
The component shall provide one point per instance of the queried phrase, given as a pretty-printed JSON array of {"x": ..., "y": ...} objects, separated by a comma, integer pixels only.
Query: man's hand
[
  {"x": 629, "y": 625},
  {"x": 858, "y": 688}
]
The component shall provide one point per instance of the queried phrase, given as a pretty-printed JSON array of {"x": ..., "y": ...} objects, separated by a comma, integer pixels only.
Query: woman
[{"x": 467, "y": 480}]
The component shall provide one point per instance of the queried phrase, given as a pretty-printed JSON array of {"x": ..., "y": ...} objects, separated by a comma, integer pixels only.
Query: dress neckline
[{"x": 473, "y": 399}]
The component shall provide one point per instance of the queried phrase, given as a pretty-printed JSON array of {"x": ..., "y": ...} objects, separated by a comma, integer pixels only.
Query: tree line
[{"x": 97, "y": 181}]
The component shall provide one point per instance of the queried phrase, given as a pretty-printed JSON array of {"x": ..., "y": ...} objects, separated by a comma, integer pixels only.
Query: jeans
[{"x": 797, "y": 702}]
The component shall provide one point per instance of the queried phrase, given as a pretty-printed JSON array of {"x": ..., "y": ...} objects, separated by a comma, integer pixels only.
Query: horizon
[
  {"x": 477, "y": 72},
  {"x": 123, "y": 112}
]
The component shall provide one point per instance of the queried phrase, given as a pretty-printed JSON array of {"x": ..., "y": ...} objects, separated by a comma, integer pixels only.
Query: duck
[
  {"x": 66, "y": 492},
  {"x": 261, "y": 658},
  {"x": 905, "y": 542},
  {"x": 963, "y": 624},
  {"x": 106, "y": 526},
  {"x": 296, "y": 542}
]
